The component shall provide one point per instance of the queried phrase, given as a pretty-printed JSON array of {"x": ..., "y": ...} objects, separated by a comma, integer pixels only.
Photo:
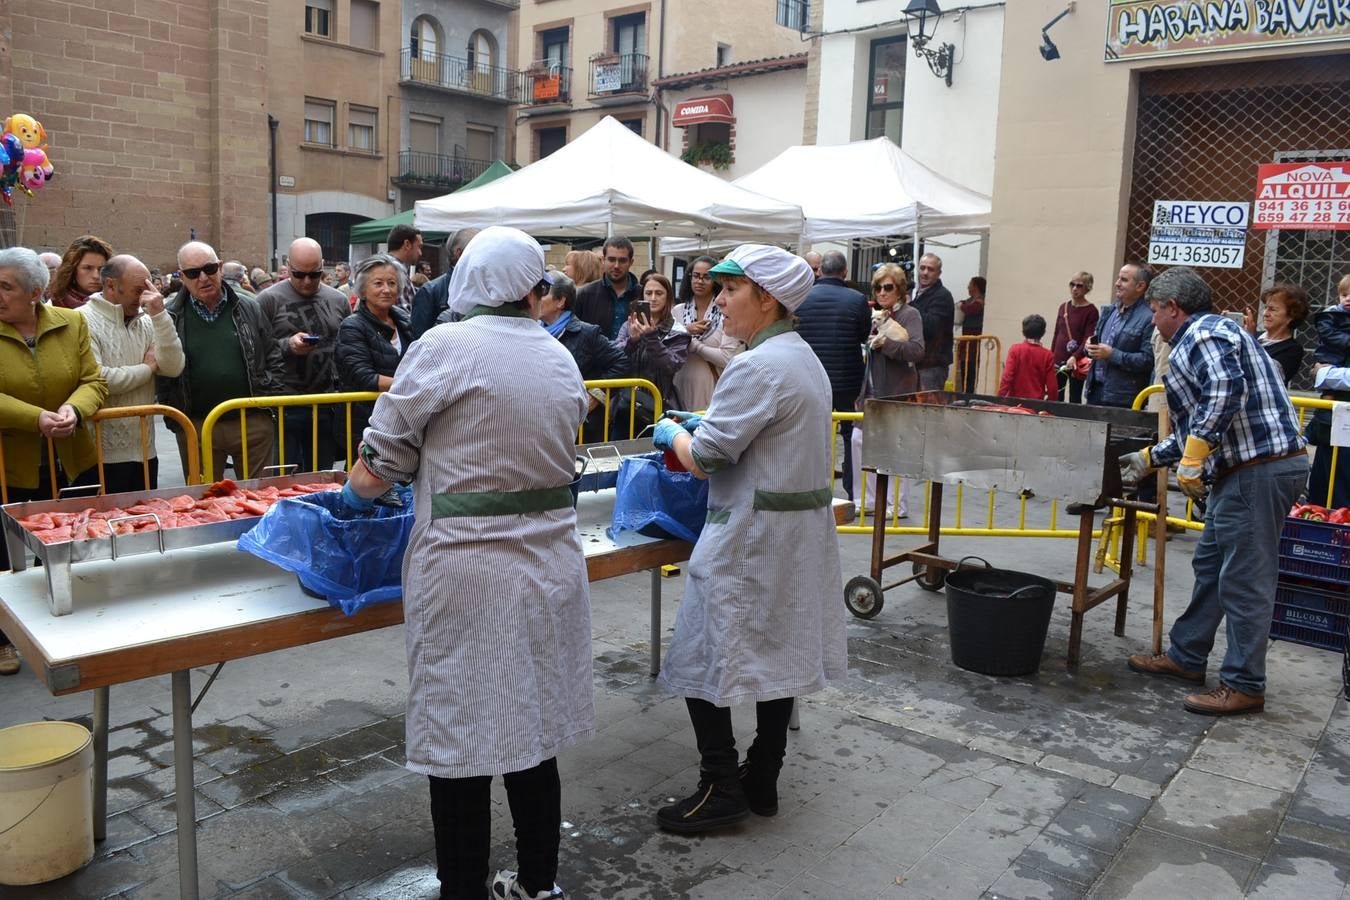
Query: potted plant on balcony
[{"x": 709, "y": 153}]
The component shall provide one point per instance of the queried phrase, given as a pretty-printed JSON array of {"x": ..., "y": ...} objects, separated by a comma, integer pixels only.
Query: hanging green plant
[{"x": 713, "y": 153}]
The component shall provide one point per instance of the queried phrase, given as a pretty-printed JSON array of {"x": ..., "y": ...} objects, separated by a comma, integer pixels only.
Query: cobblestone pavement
[{"x": 912, "y": 778}]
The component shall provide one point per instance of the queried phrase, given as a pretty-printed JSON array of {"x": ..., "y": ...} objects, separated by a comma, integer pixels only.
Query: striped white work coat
[
  {"x": 497, "y": 606},
  {"x": 761, "y": 617}
]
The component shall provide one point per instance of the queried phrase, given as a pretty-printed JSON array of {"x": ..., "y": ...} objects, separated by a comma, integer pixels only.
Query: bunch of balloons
[{"x": 23, "y": 157}]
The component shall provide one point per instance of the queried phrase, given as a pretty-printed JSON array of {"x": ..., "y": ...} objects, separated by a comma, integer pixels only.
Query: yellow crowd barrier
[
  {"x": 986, "y": 351},
  {"x": 632, "y": 385},
  {"x": 145, "y": 414},
  {"x": 242, "y": 405},
  {"x": 1109, "y": 553}
]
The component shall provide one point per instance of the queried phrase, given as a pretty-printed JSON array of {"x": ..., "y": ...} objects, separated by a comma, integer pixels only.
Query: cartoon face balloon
[
  {"x": 37, "y": 169},
  {"x": 27, "y": 129}
]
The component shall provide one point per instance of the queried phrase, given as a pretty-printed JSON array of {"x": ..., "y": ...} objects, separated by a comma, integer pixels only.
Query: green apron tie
[
  {"x": 779, "y": 501},
  {"x": 500, "y": 503}
]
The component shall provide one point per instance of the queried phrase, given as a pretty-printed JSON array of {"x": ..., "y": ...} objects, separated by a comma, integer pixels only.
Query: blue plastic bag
[
  {"x": 351, "y": 562},
  {"x": 656, "y": 502}
]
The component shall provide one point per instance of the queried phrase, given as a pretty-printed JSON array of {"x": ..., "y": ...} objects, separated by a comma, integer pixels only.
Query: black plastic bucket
[{"x": 997, "y": 619}]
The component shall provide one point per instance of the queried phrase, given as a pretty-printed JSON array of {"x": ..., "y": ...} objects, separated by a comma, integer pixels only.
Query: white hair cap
[
  {"x": 787, "y": 277},
  {"x": 500, "y": 265}
]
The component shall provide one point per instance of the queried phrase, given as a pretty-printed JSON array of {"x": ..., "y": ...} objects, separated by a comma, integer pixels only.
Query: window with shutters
[
  {"x": 361, "y": 127},
  {"x": 365, "y": 21},
  {"x": 424, "y": 133},
  {"x": 319, "y": 18},
  {"x": 319, "y": 121}
]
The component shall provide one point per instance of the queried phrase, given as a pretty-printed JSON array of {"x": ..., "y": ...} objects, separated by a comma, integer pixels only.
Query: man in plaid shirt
[{"x": 1235, "y": 434}]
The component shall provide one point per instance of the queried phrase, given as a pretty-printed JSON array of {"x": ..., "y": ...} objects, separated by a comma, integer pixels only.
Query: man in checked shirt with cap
[{"x": 1236, "y": 435}]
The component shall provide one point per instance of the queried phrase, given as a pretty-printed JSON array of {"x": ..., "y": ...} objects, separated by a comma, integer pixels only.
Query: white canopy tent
[
  {"x": 610, "y": 181},
  {"x": 860, "y": 191}
]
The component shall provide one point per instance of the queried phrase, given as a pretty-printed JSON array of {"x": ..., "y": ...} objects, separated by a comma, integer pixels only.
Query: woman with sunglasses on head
[
  {"x": 710, "y": 349},
  {"x": 1075, "y": 323},
  {"x": 893, "y": 348}
]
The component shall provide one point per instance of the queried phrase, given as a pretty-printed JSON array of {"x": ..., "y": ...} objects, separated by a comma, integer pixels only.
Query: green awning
[{"x": 377, "y": 230}]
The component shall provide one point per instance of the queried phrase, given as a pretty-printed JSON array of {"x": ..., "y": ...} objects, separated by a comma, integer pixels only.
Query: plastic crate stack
[{"x": 1312, "y": 597}]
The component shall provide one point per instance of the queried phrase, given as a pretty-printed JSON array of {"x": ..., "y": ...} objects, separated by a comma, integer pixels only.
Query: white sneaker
[{"x": 505, "y": 887}]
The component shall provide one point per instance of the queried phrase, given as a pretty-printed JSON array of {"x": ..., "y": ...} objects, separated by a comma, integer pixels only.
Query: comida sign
[
  {"x": 1311, "y": 195},
  {"x": 1138, "y": 29}
]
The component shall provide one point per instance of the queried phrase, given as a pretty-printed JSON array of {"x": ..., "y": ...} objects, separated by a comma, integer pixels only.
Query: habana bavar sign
[{"x": 1137, "y": 29}]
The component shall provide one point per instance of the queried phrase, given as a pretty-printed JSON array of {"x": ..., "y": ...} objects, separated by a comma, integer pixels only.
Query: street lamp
[{"x": 940, "y": 60}]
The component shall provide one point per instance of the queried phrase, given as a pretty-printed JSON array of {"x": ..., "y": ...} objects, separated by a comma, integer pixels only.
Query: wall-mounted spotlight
[{"x": 1048, "y": 49}]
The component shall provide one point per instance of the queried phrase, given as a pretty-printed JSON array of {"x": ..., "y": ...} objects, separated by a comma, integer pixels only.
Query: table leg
[
  {"x": 183, "y": 787},
  {"x": 1127, "y": 535},
  {"x": 1080, "y": 588},
  {"x": 794, "y": 723},
  {"x": 878, "y": 527},
  {"x": 100, "y": 763},
  {"x": 656, "y": 622}
]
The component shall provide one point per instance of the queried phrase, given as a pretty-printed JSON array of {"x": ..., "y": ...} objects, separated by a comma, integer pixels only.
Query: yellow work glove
[
  {"x": 1134, "y": 466},
  {"x": 1191, "y": 465}
]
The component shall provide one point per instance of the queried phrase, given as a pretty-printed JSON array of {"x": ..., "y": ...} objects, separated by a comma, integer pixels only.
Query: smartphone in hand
[
  {"x": 313, "y": 339},
  {"x": 643, "y": 310}
]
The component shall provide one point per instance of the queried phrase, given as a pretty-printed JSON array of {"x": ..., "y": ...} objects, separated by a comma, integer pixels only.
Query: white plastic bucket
[{"x": 46, "y": 801}]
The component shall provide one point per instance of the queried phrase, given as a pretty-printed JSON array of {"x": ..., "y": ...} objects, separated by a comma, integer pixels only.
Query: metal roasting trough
[
  {"x": 58, "y": 559},
  {"x": 1070, "y": 454}
]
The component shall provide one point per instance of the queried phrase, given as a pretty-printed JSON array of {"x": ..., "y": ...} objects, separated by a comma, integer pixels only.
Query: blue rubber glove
[
  {"x": 354, "y": 502},
  {"x": 689, "y": 420},
  {"x": 666, "y": 432}
]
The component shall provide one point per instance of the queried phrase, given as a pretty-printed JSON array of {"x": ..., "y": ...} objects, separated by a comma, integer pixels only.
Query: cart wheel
[
  {"x": 862, "y": 596},
  {"x": 932, "y": 580}
]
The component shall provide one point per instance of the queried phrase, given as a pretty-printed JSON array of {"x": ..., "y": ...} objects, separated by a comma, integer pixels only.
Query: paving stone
[
  {"x": 1214, "y": 810},
  {"x": 1063, "y": 859},
  {"x": 161, "y": 816},
  {"x": 988, "y": 838},
  {"x": 967, "y": 792},
  {"x": 1138, "y": 787},
  {"x": 1075, "y": 822},
  {"x": 1035, "y": 794},
  {"x": 413, "y": 880},
  {"x": 1113, "y": 804},
  {"x": 1026, "y": 883},
  {"x": 122, "y": 831},
  {"x": 367, "y": 774},
  {"x": 1098, "y": 775},
  {"x": 267, "y": 889},
  {"x": 1322, "y": 797},
  {"x": 1297, "y": 869},
  {"x": 1270, "y": 757},
  {"x": 1154, "y": 864},
  {"x": 866, "y": 872},
  {"x": 941, "y": 877},
  {"x": 306, "y": 796}
]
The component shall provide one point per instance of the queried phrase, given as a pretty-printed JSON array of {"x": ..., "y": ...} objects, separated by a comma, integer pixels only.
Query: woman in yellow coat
[{"x": 50, "y": 384}]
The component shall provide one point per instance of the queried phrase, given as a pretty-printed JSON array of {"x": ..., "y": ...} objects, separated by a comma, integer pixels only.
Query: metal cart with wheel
[{"x": 1059, "y": 450}]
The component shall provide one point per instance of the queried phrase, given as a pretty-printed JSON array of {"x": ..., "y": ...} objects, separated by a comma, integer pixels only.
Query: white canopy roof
[
  {"x": 609, "y": 180},
  {"x": 866, "y": 189}
]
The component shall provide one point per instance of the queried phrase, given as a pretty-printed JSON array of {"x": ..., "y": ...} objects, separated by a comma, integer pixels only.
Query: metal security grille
[{"x": 1200, "y": 135}]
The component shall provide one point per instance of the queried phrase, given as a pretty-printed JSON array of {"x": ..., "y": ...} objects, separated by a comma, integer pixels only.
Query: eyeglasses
[
  {"x": 316, "y": 274},
  {"x": 208, "y": 270},
  {"x": 1077, "y": 284},
  {"x": 700, "y": 276},
  {"x": 885, "y": 288}
]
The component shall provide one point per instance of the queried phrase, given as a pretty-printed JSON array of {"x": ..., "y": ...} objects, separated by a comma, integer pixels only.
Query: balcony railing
[
  {"x": 618, "y": 73},
  {"x": 546, "y": 83},
  {"x": 457, "y": 74},
  {"x": 437, "y": 169}
]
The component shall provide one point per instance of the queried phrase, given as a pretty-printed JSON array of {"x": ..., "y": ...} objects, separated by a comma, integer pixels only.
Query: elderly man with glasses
[
  {"x": 305, "y": 314},
  {"x": 229, "y": 353}
]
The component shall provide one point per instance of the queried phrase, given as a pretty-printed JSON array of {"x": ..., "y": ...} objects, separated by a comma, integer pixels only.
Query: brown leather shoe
[
  {"x": 1162, "y": 664},
  {"x": 1225, "y": 701},
  {"x": 9, "y": 659}
]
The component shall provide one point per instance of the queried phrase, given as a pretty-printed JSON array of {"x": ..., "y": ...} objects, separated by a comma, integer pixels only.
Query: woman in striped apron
[
  {"x": 495, "y": 593},
  {"x": 760, "y": 619}
]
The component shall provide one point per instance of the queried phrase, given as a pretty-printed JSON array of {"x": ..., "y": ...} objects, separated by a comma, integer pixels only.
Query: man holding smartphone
[
  {"x": 1122, "y": 349},
  {"x": 305, "y": 314}
]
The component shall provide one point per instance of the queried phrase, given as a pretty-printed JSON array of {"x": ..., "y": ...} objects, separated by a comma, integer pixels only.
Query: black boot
[
  {"x": 715, "y": 804},
  {"x": 719, "y": 800},
  {"x": 764, "y": 759},
  {"x": 760, "y": 784}
]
